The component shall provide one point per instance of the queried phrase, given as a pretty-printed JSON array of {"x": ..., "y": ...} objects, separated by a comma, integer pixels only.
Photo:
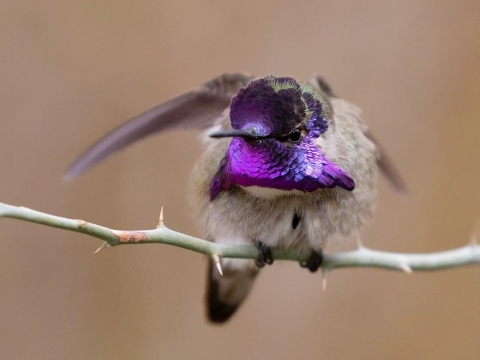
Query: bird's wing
[
  {"x": 196, "y": 109},
  {"x": 384, "y": 163},
  {"x": 386, "y": 166}
]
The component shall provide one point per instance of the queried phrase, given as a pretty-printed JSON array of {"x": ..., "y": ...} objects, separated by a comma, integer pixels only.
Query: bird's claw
[
  {"x": 265, "y": 256},
  {"x": 314, "y": 261}
]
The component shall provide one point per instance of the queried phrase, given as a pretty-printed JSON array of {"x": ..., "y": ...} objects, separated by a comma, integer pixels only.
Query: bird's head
[{"x": 275, "y": 122}]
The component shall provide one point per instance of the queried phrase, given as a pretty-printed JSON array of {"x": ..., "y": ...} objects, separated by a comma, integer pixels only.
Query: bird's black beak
[{"x": 234, "y": 132}]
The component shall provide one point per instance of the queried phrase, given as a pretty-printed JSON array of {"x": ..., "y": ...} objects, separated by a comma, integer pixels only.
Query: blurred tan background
[{"x": 71, "y": 71}]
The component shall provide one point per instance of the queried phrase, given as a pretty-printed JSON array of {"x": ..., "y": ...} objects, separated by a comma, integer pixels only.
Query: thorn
[
  {"x": 160, "y": 219},
  {"x": 359, "y": 243},
  {"x": 324, "y": 278},
  {"x": 216, "y": 260},
  {"x": 103, "y": 246},
  {"x": 473, "y": 240},
  {"x": 219, "y": 267},
  {"x": 405, "y": 267},
  {"x": 81, "y": 223}
]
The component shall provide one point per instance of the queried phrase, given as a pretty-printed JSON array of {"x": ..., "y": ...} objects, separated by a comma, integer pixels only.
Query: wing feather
[
  {"x": 196, "y": 109},
  {"x": 386, "y": 166}
]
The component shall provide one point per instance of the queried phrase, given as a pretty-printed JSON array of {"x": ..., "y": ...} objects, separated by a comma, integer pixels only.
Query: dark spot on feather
[{"x": 296, "y": 220}]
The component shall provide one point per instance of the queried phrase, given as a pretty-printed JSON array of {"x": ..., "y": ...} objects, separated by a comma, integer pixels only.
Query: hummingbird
[{"x": 285, "y": 165}]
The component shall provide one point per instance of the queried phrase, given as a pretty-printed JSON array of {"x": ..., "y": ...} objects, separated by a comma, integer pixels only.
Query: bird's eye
[{"x": 295, "y": 136}]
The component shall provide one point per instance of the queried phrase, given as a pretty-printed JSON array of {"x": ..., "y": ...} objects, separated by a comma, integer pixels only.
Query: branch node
[
  {"x": 129, "y": 236},
  {"x": 160, "y": 219},
  {"x": 216, "y": 260},
  {"x": 103, "y": 246}
]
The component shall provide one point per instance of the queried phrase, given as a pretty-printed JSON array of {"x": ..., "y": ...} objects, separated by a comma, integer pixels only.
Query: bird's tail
[{"x": 226, "y": 293}]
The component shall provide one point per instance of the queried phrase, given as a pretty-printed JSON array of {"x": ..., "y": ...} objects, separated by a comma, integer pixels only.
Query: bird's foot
[
  {"x": 314, "y": 261},
  {"x": 265, "y": 256}
]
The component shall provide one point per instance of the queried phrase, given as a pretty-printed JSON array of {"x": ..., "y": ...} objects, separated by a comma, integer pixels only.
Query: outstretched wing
[
  {"x": 196, "y": 109},
  {"x": 383, "y": 161}
]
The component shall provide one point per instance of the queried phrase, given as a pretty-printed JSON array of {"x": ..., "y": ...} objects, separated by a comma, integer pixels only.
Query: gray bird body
[
  {"x": 244, "y": 215},
  {"x": 307, "y": 218}
]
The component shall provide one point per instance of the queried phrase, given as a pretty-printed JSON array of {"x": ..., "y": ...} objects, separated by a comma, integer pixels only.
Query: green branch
[{"x": 362, "y": 257}]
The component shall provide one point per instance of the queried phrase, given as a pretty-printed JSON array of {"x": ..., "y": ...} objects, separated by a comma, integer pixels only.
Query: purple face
[{"x": 275, "y": 122}]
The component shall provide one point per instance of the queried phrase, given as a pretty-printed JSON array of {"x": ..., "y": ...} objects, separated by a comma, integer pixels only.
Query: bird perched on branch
[{"x": 286, "y": 165}]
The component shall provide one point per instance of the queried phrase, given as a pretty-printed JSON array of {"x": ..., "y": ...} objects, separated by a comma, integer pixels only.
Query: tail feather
[{"x": 226, "y": 293}]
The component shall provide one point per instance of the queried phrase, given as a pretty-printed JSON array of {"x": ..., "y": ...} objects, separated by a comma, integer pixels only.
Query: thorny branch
[{"x": 362, "y": 257}]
